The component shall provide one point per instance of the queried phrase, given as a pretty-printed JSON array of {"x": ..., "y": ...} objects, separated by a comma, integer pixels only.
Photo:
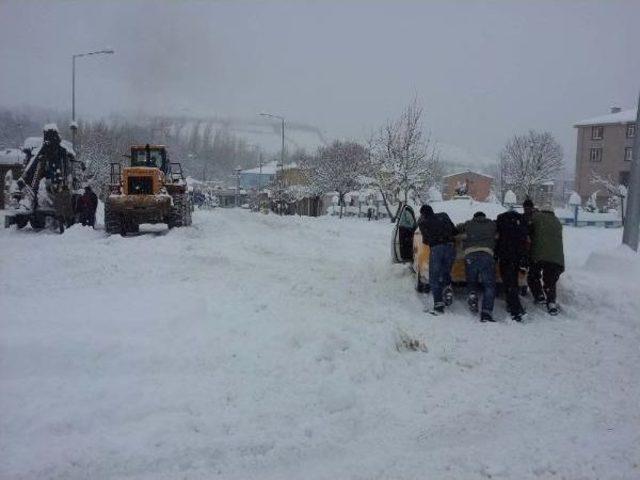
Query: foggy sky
[{"x": 483, "y": 70}]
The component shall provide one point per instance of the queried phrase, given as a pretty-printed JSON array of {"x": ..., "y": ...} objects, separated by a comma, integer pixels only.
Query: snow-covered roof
[
  {"x": 466, "y": 172},
  {"x": 11, "y": 156},
  {"x": 624, "y": 116}
]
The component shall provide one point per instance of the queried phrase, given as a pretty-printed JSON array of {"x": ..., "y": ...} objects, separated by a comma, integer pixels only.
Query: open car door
[{"x": 402, "y": 240}]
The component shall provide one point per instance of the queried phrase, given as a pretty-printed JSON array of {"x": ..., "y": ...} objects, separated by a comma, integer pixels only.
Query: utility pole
[{"x": 632, "y": 223}]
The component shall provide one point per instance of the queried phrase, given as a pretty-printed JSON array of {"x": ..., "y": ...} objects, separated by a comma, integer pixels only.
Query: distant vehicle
[
  {"x": 407, "y": 247},
  {"x": 150, "y": 190}
]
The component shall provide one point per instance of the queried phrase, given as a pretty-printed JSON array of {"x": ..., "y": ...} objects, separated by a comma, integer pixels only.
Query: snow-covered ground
[{"x": 253, "y": 346}]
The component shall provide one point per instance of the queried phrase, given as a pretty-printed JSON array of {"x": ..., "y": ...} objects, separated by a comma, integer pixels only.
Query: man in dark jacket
[
  {"x": 63, "y": 206},
  {"x": 479, "y": 242},
  {"x": 547, "y": 257},
  {"x": 511, "y": 250},
  {"x": 88, "y": 206},
  {"x": 438, "y": 231}
]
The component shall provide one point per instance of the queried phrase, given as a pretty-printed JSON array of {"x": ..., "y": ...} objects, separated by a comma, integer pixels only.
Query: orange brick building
[{"x": 474, "y": 184}]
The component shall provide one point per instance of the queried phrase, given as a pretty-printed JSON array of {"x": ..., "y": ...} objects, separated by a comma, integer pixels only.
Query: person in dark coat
[
  {"x": 88, "y": 207},
  {"x": 438, "y": 233},
  {"x": 63, "y": 207},
  {"x": 512, "y": 251},
  {"x": 480, "y": 267},
  {"x": 547, "y": 257}
]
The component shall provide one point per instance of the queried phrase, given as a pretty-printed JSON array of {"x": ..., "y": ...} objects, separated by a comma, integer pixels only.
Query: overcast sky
[{"x": 483, "y": 70}]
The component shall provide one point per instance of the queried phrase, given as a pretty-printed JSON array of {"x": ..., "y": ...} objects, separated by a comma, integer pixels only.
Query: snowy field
[{"x": 253, "y": 346}]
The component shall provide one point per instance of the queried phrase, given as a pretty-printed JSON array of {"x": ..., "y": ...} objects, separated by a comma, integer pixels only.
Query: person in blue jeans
[
  {"x": 438, "y": 231},
  {"x": 480, "y": 266}
]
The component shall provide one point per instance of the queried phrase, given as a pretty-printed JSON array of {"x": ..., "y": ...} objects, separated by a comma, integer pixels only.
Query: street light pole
[
  {"x": 632, "y": 223},
  {"x": 281, "y": 118},
  {"x": 73, "y": 125}
]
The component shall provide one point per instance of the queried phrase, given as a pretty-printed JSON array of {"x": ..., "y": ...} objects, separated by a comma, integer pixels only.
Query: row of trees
[
  {"x": 205, "y": 151},
  {"x": 398, "y": 160}
]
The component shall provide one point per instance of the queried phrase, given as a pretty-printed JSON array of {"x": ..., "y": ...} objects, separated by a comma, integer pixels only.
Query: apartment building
[{"x": 605, "y": 146}]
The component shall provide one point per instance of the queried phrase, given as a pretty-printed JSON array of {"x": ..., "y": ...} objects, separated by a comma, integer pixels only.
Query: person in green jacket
[{"x": 547, "y": 257}]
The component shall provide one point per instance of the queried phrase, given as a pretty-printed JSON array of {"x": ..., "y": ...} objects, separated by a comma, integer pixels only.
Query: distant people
[
  {"x": 547, "y": 257},
  {"x": 512, "y": 251},
  {"x": 480, "y": 266},
  {"x": 369, "y": 213},
  {"x": 528, "y": 209},
  {"x": 438, "y": 233},
  {"x": 88, "y": 207},
  {"x": 63, "y": 207}
]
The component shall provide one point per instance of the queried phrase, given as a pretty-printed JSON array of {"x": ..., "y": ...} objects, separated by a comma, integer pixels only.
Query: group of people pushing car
[{"x": 514, "y": 240}]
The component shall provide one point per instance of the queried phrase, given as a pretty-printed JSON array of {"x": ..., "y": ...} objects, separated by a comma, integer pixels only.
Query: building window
[
  {"x": 595, "y": 154},
  {"x": 624, "y": 178},
  {"x": 628, "y": 154},
  {"x": 631, "y": 130},
  {"x": 597, "y": 133}
]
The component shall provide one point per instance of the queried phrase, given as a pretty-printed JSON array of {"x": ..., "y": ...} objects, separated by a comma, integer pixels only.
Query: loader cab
[
  {"x": 152, "y": 156},
  {"x": 402, "y": 240}
]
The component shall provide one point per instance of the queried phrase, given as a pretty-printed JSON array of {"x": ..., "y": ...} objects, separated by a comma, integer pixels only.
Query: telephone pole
[{"x": 632, "y": 223}]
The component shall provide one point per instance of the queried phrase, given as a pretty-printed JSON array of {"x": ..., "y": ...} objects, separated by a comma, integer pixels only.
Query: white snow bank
[
  {"x": 622, "y": 263},
  {"x": 253, "y": 346}
]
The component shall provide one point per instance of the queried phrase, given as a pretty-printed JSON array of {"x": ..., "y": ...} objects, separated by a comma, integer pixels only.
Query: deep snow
[{"x": 253, "y": 346}]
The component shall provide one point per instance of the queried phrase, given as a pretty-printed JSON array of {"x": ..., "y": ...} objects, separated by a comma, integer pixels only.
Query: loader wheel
[
  {"x": 180, "y": 213},
  {"x": 37, "y": 221},
  {"x": 112, "y": 222},
  {"x": 21, "y": 222}
]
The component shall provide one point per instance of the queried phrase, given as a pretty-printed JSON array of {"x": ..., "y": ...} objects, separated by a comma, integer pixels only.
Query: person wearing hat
[
  {"x": 438, "y": 232},
  {"x": 547, "y": 256},
  {"x": 480, "y": 267}
]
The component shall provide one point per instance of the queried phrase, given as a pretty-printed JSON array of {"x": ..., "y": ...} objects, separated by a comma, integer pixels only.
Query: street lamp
[
  {"x": 74, "y": 125},
  {"x": 238, "y": 171},
  {"x": 263, "y": 114}
]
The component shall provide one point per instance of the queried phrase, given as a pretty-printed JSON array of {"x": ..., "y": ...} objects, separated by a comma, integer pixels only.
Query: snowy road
[{"x": 253, "y": 346}]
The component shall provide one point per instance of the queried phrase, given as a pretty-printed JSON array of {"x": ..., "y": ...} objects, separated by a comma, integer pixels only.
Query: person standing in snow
[
  {"x": 480, "y": 266},
  {"x": 63, "y": 207},
  {"x": 547, "y": 257},
  {"x": 88, "y": 207},
  {"x": 511, "y": 251},
  {"x": 437, "y": 232}
]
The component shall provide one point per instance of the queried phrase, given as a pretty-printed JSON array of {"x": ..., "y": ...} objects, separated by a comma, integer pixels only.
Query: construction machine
[
  {"x": 51, "y": 172},
  {"x": 149, "y": 189}
]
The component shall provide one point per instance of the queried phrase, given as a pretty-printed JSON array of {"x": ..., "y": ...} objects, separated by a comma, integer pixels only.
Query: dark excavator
[{"x": 51, "y": 168}]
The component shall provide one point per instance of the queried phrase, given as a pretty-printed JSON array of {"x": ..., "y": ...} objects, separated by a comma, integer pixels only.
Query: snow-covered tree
[
  {"x": 617, "y": 192},
  {"x": 337, "y": 168},
  {"x": 530, "y": 160},
  {"x": 403, "y": 160}
]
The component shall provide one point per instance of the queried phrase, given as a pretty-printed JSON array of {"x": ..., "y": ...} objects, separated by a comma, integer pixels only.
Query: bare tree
[
  {"x": 403, "y": 161},
  {"x": 337, "y": 168},
  {"x": 529, "y": 160}
]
